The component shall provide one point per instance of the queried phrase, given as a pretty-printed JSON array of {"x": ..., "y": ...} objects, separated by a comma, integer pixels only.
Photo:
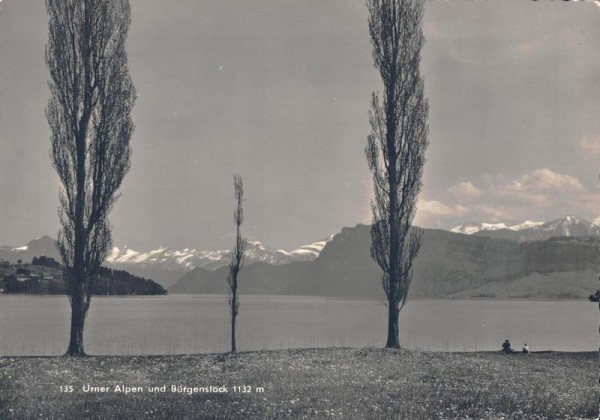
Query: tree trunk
[
  {"x": 392, "y": 336},
  {"x": 78, "y": 312},
  {"x": 233, "y": 346},
  {"x": 233, "y": 315}
]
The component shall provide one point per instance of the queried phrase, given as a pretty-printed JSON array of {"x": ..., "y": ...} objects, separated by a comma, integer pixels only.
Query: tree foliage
[
  {"x": 89, "y": 113},
  {"x": 396, "y": 146},
  {"x": 237, "y": 256}
]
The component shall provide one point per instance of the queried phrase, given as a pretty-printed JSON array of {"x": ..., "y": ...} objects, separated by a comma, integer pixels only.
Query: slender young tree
[
  {"x": 89, "y": 113},
  {"x": 237, "y": 256},
  {"x": 396, "y": 146}
]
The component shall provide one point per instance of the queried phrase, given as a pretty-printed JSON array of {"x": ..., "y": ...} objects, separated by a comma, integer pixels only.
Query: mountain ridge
[
  {"x": 168, "y": 265},
  {"x": 567, "y": 226},
  {"x": 448, "y": 265}
]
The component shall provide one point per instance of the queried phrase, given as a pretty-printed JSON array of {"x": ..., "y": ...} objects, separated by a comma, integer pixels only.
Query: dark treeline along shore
[{"x": 44, "y": 276}]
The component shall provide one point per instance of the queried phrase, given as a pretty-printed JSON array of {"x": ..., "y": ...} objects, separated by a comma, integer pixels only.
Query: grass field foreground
[{"x": 312, "y": 383}]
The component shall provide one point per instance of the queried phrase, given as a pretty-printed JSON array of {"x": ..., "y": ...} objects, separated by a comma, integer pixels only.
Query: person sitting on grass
[
  {"x": 526, "y": 349},
  {"x": 506, "y": 347}
]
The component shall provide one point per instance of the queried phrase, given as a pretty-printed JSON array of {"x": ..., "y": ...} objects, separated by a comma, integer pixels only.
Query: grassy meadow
[{"x": 312, "y": 383}]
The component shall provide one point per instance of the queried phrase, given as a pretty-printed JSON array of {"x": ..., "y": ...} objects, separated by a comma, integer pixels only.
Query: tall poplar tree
[
  {"x": 237, "y": 256},
  {"x": 396, "y": 146},
  {"x": 89, "y": 113}
]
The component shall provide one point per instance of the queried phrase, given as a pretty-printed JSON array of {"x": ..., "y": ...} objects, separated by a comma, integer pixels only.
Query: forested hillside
[{"x": 44, "y": 276}]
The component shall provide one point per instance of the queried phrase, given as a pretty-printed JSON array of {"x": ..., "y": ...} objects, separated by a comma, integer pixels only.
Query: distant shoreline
[{"x": 382, "y": 300}]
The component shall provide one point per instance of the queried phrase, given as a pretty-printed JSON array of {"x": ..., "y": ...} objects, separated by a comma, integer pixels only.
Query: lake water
[{"x": 38, "y": 325}]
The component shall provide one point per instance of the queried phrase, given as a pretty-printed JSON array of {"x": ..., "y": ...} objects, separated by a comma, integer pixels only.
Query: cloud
[
  {"x": 434, "y": 213},
  {"x": 465, "y": 190},
  {"x": 542, "y": 194},
  {"x": 548, "y": 180},
  {"x": 590, "y": 146},
  {"x": 542, "y": 187},
  {"x": 439, "y": 208},
  {"x": 596, "y": 221}
]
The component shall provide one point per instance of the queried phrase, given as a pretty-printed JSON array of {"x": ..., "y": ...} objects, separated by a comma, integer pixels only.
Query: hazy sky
[{"x": 279, "y": 91}]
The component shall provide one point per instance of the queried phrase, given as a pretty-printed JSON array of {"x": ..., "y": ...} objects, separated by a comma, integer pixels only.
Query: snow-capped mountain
[
  {"x": 187, "y": 259},
  {"x": 43, "y": 245},
  {"x": 532, "y": 231},
  {"x": 569, "y": 226},
  {"x": 470, "y": 228},
  {"x": 165, "y": 258},
  {"x": 527, "y": 224},
  {"x": 307, "y": 252},
  {"x": 166, "y": 265}
]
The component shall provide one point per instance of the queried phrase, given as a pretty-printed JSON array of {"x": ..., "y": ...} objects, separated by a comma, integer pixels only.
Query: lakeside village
[{"x": 44, "y": 276}]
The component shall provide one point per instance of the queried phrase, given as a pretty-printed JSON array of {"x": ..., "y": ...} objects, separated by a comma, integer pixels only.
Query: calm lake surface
[{"x": 38, "y": 325}]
